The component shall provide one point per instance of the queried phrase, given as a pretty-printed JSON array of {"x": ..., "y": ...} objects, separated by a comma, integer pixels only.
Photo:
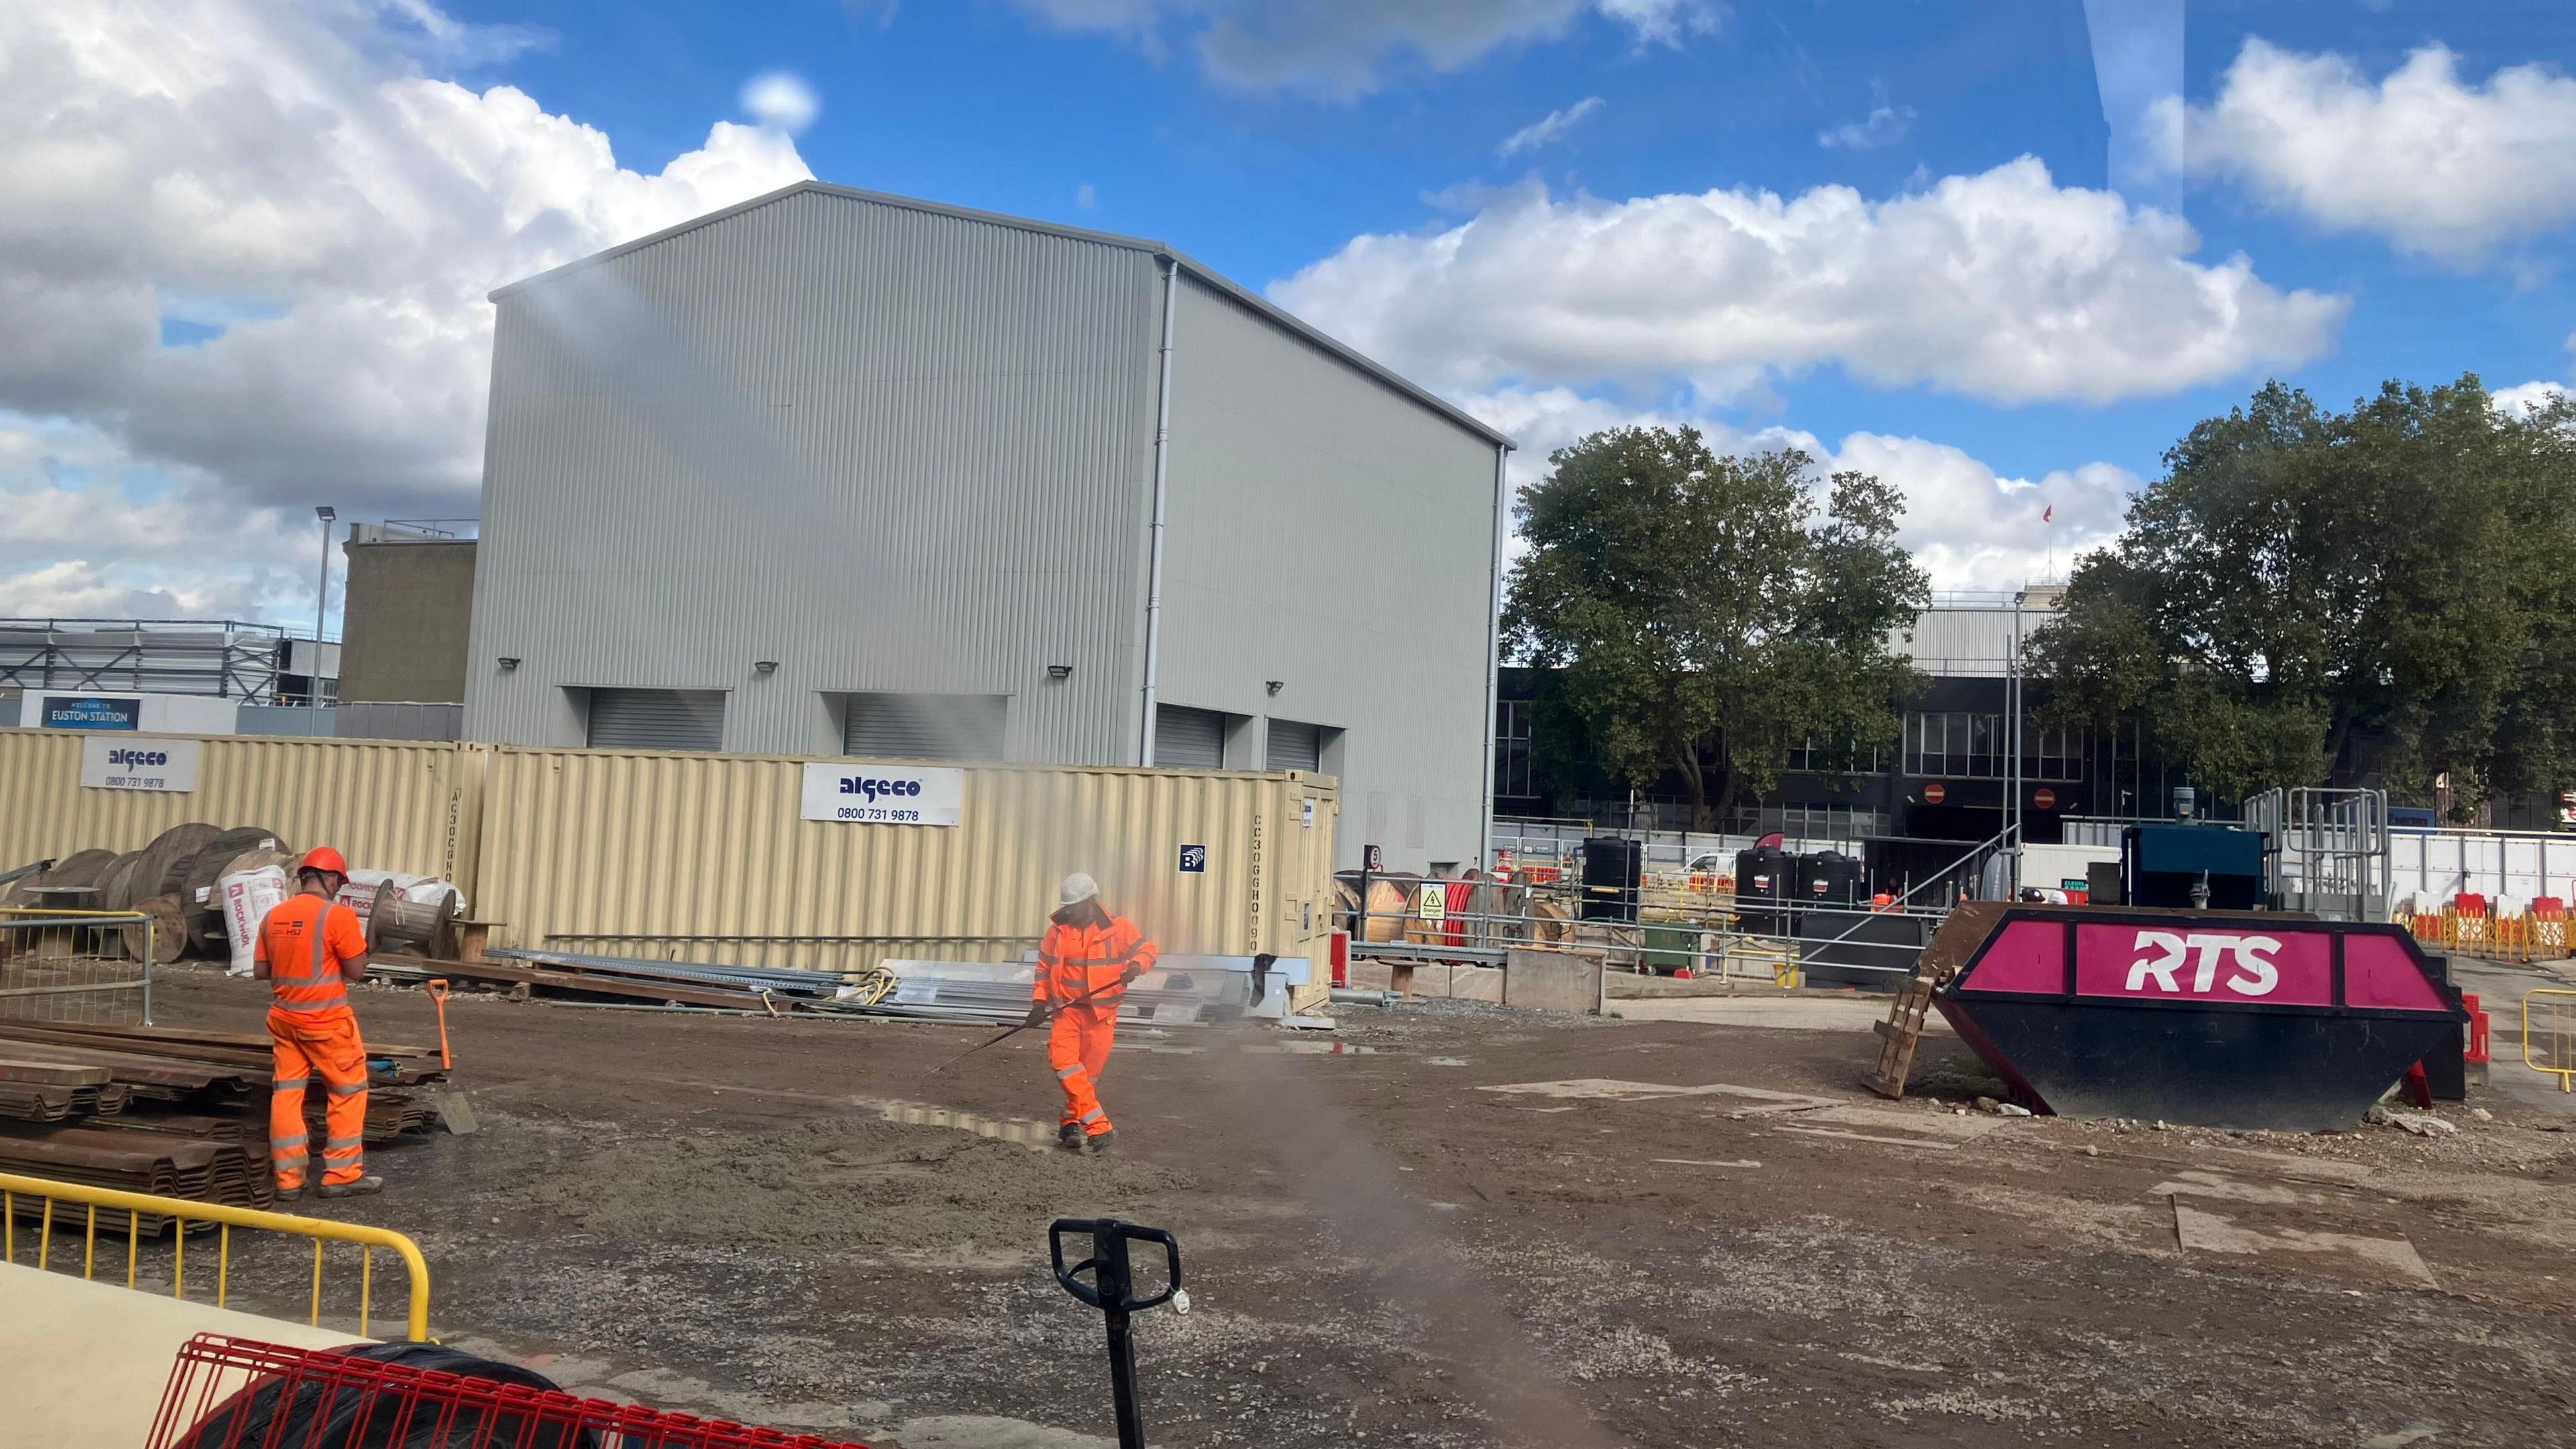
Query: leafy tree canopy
[
  {"x": 1708, "y": 615},
  {"x": 2309, "y": 595}
]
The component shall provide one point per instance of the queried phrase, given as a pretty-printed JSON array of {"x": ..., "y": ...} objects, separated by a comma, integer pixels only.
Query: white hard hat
[{"x": 1077, "y": 889}]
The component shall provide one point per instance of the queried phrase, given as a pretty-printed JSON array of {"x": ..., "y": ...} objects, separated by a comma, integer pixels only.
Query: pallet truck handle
[{"x": 1112, "y": 1284}]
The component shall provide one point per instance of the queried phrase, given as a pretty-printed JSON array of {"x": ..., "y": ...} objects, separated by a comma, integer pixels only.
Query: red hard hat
[{"x": 322, "y": 857}]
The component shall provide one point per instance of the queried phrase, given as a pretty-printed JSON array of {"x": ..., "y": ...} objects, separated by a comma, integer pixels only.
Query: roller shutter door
[
  {"x": 1189, "y": 739},
  {"x": 1295, "y": 746},
  {"x": 657, "y": 719},
  {"x": 925, "y": 726}
]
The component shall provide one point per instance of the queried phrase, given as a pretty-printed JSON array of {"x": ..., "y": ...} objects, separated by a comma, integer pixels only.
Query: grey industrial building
[{"x": 832, "y": 472}]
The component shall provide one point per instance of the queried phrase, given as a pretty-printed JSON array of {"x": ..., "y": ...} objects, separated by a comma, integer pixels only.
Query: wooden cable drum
[
  {"x": 1388, "y": 904},
  {"x": 78, "y": 869},
  {"x": 1550, "y": 922},
  {"x": 216, "y": 858},
  {"x": 166, "y": 858},
  {"x": 421, "y": 926},
  {"x": 169, "y": 931},
  {"x": 116, "y": 883},
  {"x": 220, "y": 857}
]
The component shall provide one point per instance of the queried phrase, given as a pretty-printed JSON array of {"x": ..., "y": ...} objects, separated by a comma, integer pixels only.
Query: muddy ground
[{"x": 716, "y": 1213}]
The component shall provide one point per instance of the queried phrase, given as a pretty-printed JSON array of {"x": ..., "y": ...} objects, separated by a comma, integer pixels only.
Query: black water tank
[
  {"x": 1613, "y": 869},
  {"x": 1831, "y": 878},
  {"x": 1762, "y": 891}
]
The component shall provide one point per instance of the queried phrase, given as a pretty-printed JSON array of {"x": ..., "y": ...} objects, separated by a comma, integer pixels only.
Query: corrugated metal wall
[
  {"x": 706, "y": 854},
  {"x": 887, "y": 449},
  {"x": 706, "y": 858},
  {"x": 1367, "y": 601},
  {"x": 390, "y": 806}
]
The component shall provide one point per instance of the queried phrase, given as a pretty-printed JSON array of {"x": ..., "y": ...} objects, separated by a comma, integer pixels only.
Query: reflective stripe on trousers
[
  {"x": 304, "y": 1045},
  {"x": 1078, "y": 1046}
]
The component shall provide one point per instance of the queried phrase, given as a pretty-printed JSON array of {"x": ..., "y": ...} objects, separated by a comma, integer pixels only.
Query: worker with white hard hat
[{"x": 1084, "y": 965}]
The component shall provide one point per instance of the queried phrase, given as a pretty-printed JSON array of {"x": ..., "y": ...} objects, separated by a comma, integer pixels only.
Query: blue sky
[
  {"x": 986, "y": 104},
  {"x": 270, "y": 294}
]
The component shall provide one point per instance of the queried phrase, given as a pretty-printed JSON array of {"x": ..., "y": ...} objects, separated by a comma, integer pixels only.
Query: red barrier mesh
[{"x": 236, "y": 1393}]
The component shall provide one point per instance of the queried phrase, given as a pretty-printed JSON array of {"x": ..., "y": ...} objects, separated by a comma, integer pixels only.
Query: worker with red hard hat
[{"x": 310, "y": 947}]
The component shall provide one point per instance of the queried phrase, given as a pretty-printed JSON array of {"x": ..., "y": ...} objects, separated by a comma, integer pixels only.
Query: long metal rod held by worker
[{"x": 1018, "y": 1027}]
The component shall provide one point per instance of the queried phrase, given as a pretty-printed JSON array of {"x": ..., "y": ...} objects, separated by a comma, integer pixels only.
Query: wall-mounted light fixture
[
  {"x": 509, "y": 662},
  {"x": 765, "y": 666},
  {"x": 1059, "y": 671},
  {"x": 1275, "y": 685}
]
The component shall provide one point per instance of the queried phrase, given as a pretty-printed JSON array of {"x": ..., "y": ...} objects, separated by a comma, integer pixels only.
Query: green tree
[
  {"x": 1706, "y": 615},
  {"x": 2307, "y": 595}
]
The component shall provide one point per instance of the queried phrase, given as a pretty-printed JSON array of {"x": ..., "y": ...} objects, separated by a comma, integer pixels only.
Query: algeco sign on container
[
  {"x": 884, "y": 794},
  {"x": 139, "y": 764}
]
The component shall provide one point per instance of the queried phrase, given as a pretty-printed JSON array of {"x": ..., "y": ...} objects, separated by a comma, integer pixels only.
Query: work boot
[
  {"x": 1099, "y": 1143},
  {"x": 291, "y": 1194},
  {"x": 1069, "y": 1137},
  {"x": 360, "y": 1188}
]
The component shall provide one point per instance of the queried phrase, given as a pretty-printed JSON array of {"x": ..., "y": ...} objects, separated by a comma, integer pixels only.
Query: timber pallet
[{"x": 1899, "y": 1035}]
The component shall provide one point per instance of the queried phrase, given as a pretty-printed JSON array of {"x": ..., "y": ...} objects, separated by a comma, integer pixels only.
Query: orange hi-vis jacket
[
  {"x": 1074, "y": 960},
  {"x": 304, "y": 940}
]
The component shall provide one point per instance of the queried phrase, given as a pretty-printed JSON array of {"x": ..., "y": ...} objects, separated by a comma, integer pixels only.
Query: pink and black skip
[{"x": 2212, "y": 1018}]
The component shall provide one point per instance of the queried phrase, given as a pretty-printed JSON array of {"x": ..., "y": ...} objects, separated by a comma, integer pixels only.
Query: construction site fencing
[
  {"x": 708, "y": 857},
  {"x": 58, "y": 1218},
  {"x": 1697, "y": 930},
  {"x": 2477, "y": 928},
  {"x": 93, "y": 968},
  {"x": 2428, "y": 867},
  {"x": 1527, "y": 844}
]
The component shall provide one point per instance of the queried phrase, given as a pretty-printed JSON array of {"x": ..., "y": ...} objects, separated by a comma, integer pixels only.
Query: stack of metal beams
[
  {"x": 216, "y": 1172},
  {"x": 51, "y": 1091},
  {"x": 631, "y": 979},
  {"x": 193, "y": 1118}
]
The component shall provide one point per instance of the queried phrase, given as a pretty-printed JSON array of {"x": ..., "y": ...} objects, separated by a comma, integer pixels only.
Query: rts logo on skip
[{"x": 2250, "y": 957}]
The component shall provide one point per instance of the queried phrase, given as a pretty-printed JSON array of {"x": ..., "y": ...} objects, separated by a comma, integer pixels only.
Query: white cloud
[
  {"x": 287, "y": 171},
  {"x": 2002, "y": 286},
  {"x": 2440, "y": 167},
  {"x": 1884, "y": 126},
  {"x": 2527, "y": 398},
  {"x": 1664, "y": 22},
  {"x": 1340, "y": 46},
  {"x": 1547, "y": 128},
  {"x": 1969, "y": 526},
  {"x": 781, "y": 100},
  {"x": 1085, "y": 197},
  {"x": 90, "y": 535}
]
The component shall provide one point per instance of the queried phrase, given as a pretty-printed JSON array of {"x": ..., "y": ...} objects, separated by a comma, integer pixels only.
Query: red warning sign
[
  {"x": 2045, "y": 799},
  {"x": 1934, "y": 794}
]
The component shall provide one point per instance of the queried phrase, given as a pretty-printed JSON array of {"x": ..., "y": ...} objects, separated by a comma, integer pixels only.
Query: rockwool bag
[{"x": 247, "y": 897}]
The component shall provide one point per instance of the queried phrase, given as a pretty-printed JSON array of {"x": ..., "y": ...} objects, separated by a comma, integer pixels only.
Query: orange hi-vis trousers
[
  {"x": 306, "y": 1044},
  {"x": 1078, "y": 1048}
]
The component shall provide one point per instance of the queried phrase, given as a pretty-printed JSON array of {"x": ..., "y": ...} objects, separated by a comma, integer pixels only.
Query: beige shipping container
[
  {"x": 387, "y": 805},
  {"x": 708, "y": 857}
]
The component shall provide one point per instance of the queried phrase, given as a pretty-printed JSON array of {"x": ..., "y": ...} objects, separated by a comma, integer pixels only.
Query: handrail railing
[{"x": 183, "y": 1212}]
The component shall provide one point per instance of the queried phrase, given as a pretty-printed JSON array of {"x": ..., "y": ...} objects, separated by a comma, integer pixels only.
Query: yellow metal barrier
[
  {"x": 182, "y": 1212},
  {"x": 2557, "y": 1017}
]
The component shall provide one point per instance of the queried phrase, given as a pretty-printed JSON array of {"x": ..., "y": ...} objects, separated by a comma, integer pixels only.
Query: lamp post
[{"x": 321, "y": 600}]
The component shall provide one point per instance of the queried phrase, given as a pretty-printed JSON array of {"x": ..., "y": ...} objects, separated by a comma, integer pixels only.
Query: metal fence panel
[{"x": 706, "y": 857}]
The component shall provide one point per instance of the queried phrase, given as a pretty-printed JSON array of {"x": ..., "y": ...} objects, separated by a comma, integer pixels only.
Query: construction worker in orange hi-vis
[
  {"x": 310, "y": 947},
  {"x": 1084, "y": 965}
]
